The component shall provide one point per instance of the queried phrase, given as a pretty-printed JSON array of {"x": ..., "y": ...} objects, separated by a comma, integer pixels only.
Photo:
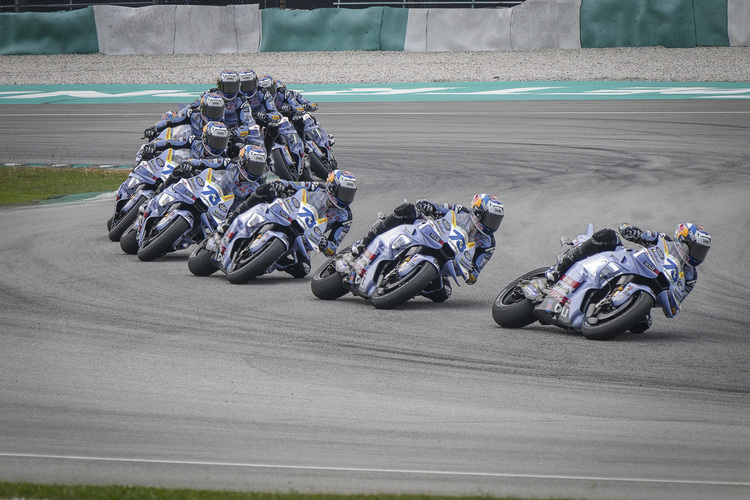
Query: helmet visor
[
  {"x": 216, "y": 143},
  {"x": 253, "y": 169},
  {"x": 698, "y": 252},
  {"x": 249, "y": 86},
  {"x": 212, "y": 112},
  {"x": 230, "y": 88},
  {"x": 346, "y": 194},
  {"x": 492, "y": 221}
]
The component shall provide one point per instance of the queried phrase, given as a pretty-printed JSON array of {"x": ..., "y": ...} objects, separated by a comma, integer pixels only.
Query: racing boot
[
  {"x": 298, "y": 270},
  {"x": 438, "y": 290},
  {"x": 601, "y": 241},
  {"x": 381, "y": 225},
  {"x": 571, "y": 256},
  {"x": 643, "y": 325}
]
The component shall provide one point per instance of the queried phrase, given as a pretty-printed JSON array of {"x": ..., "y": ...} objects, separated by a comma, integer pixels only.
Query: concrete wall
[
  {"x": 458, "y": 30},
  {"x": 170, "y": 29},
  {"x": 738, "y": 23},
  {"x": 125, "y": 30},
  {"x": 546, "y": 24}
]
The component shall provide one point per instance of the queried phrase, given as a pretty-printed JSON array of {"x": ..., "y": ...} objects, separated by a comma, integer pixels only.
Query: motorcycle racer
[
  {"x": 690, "y": 245},
  {"x": 228, "y": 87},
  {"x": 330, "y": 199},
  {"x": 210, "y": 107},
  {"x": 245, "y": 173},
  {"x": 260, "y": 98},
  {"x": 480, "y": 221},
  {"x": 289, "y": 102},
  {"x": 208, "y": 152}
]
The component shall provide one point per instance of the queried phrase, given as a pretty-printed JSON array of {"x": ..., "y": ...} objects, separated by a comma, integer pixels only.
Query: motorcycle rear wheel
[
  {"x": 394, "y": 293},
  {"x": 327, "y": 283},
  {"x": 200, "y": 262},
  {"x": 511, "y": 308},
  {"x": 118, "y": 227},
  {"x": 257, "y": 263},
  {"x": 612, "y": 323},
  {"x": 280, "y": 166},
  {"x": 156, "y": 246}
]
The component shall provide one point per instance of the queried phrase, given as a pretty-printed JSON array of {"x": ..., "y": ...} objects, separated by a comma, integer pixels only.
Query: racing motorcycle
[
  {"x": 601, "y": 296},
  {"x": 269, "y": 237},
  {"x": 399, "y": 264},
  {"x": 288, "y": 154},
  {"x": 318, "y": 145},
  {"x": 139, "y": 187},
  {"x": 183, "y": 214}
]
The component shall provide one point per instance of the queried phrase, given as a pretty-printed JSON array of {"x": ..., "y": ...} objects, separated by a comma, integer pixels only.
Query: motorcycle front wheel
[
  {"x": 318, "y": 168},
  {"x": 200, "y": 262},
  {"x": 396, "y": 290},
  {"x": 248, "y": 266},
  {"x": 156, "y": 245},
  {"x": 117, "y": 227},
  {"x": 280, "y": 166},
  {"x": 606, "y": 321},
  {"x": 511, "y": 308},
  {"x": 129, "y": 242},
  {"x": 327, "y": 283}
]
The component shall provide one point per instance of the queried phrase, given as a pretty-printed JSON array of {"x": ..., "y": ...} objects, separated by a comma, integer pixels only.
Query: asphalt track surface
[{"x": 119, "y": 371}]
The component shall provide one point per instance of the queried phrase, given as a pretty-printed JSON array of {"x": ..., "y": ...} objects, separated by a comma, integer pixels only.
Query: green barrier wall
[
  {"x": 332, "y": 29},
  {"x": 711, "y": 23},
  {"x": 393, "y": 29},
  {"x": 72, "y": 32},
  {"x": 644, "y": 23}
]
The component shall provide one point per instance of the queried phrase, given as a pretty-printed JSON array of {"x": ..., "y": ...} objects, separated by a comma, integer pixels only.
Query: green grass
[
  {"x": 75, "y": 492},
  {"x": 30, "y": 184}
]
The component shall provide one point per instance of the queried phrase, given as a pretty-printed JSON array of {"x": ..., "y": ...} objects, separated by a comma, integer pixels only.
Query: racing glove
[
  {"x": 265, "y": 192},
  {"x": 148, "y": 151},
  {"x": 184, "y": 170},
  {"x": 427, "y": 208},
  {"x": 283, "y": 189},
  {"x": 150, "y": 133},
  {"x": 630, "y": 233}
]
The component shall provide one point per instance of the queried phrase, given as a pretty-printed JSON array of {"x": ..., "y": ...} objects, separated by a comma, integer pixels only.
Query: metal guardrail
[{"x": 9, "y": 6}]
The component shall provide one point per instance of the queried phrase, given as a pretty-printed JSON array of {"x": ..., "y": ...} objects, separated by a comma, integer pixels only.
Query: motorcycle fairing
[
  {"x": 261, "y": 223},
  {"x": 176, "y": 199},
  {"x": 404, "y": 246}
]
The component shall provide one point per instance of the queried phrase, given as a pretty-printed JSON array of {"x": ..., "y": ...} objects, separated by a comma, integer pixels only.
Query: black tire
[
  {"x": 327, "y": 283},
  {"x": 280, "y": 166},
  {"x": 318, "y": 168},
  {"x": 511, "y": 308},
  {"x": 118, "y": 227},
  {"x": 129, "y": 242},
  {"x": 154, "y": 246},
  {"x": 393, "y": 294},
  {"x": 200, "y": 262},
  {"x": 257, "y": 263},
  {"x": 614, "y": 322}
]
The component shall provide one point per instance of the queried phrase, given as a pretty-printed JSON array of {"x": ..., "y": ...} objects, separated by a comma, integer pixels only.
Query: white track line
[{"x": 378, "y": 471}]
